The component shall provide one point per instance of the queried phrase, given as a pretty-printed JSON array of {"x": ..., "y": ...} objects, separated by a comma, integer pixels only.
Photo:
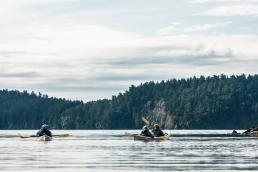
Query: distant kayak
[
  {"x": 148, "y": 139},
  {"x": 45, "y": 138}
]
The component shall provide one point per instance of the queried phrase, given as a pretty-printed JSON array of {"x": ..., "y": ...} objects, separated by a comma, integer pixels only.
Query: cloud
[
  {"x": 11, "y": 10},
  {"x": 242, "y": 9},
  {"x": 20, "y": 75},
  {"x": 77, "y": 87},
  {"x": 66, "y": 41},
  {"x": 173, "y": 57},
  {"x": 173, "y": 29},
  {"x": 108, "y": 60},
  {"x": 221, "y": 1},
  {"x": 204, "y": 27}
]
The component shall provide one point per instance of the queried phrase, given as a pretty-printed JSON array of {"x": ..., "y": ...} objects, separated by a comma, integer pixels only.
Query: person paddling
[
  {"x": 146, "y": 132},
  {"x": 44, "y": 131},
  {"x": 157, "y": 132}
]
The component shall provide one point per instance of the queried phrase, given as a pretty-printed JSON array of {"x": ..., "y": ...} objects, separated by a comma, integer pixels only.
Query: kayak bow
[
  {"x": 129, "y": 134},
  {"x": 45, "y": 138}
]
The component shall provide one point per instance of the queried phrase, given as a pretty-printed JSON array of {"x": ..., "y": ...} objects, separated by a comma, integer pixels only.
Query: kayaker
[
  {"x": 146, "y": 132},
  {"x": 248, "y": 131},
  {"x": 157, "y": 132},
  {"x": 234, "y": 132},
  {"x": 44, "y": 131}
]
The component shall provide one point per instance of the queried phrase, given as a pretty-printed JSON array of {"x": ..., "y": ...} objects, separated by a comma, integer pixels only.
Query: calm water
[{"x": 108, "y": 151}]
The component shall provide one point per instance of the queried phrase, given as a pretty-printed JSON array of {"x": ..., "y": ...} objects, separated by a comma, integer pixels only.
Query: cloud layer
[{"x": 91, "y": 50}]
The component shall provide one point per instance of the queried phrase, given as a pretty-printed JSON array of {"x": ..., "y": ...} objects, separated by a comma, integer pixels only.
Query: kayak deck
[{"x": 147, "y": 139}]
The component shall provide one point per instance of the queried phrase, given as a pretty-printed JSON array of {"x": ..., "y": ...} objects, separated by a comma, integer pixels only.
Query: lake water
[{"x": 108, "y": 150}]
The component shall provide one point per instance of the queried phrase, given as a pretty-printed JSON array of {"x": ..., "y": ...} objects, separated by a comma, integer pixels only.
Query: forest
[{"x": 213, "y": 102}]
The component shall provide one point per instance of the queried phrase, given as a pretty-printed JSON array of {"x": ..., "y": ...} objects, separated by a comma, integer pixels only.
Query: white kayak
[{"x": 45, "y": 138}]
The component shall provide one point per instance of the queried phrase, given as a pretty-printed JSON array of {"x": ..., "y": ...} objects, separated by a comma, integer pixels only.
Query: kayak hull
[
  {"x": 148, "y": 139},
  {"x": 45, "y": 138}
]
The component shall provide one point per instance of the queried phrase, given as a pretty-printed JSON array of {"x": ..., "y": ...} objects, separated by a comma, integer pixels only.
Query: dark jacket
[
  {"x": 43, "y": 132},
  {"x": 157, "y": 132},
  {"x": 146, "y": 133}
]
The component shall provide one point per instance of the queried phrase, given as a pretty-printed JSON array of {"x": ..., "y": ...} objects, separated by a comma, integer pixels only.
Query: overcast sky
[{"x": 93, "y": 49}]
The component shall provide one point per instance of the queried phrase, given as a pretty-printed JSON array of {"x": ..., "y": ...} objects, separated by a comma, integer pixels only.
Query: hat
[
  {"x": 144, "y": 127},
  {"x": 44, "y": 126},
  {"x": 156, "y": 126}
]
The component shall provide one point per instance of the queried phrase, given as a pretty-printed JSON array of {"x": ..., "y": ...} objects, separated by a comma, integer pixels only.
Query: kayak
[
  {"x": 148, "y": 139},
  {"x": 45, "y": 138}
]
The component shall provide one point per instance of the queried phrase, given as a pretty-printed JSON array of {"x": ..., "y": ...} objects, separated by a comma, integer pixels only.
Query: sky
[{"x": 93, "y": 49}]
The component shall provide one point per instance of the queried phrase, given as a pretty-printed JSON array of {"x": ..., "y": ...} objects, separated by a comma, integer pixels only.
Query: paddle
[
  {"x": 146, "y": 122},
  {"x": 61, "y": 135},
  {"x": 27, "y": 136},
  {"x": 54, "y": 135},
  {"x": 7, "y": 136}
]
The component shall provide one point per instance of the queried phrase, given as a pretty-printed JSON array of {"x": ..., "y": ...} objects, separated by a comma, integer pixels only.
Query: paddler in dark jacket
[
  {"x": 146, "y": 132},
  {"x": 44, "y": 131},
  {"x": 157, "y": 132}
]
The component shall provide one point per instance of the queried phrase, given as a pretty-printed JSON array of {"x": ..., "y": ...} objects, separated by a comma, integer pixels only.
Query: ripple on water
[{"x": 105, "y": 151}]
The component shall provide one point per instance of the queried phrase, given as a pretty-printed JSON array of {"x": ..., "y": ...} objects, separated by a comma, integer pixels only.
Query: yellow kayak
[
  {"x": 148, "y": 139},
  {"x": 45, "y": 138}
]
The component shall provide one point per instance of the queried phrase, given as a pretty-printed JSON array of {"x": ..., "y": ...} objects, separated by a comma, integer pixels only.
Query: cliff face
[{"x": 159, "y": 115}]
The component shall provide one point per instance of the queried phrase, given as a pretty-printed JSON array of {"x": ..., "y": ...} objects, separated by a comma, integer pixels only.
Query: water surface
[{"x": 108, "y": 150}]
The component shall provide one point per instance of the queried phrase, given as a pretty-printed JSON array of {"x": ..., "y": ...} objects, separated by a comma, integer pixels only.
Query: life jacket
[
  {"x": 157, "y": 133},
  {"x": 43, "y": 132},
  {"x": 146, "y": 133}
]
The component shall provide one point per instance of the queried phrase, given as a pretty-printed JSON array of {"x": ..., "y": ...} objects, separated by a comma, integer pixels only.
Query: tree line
[{"x": 213, "y": 102}]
